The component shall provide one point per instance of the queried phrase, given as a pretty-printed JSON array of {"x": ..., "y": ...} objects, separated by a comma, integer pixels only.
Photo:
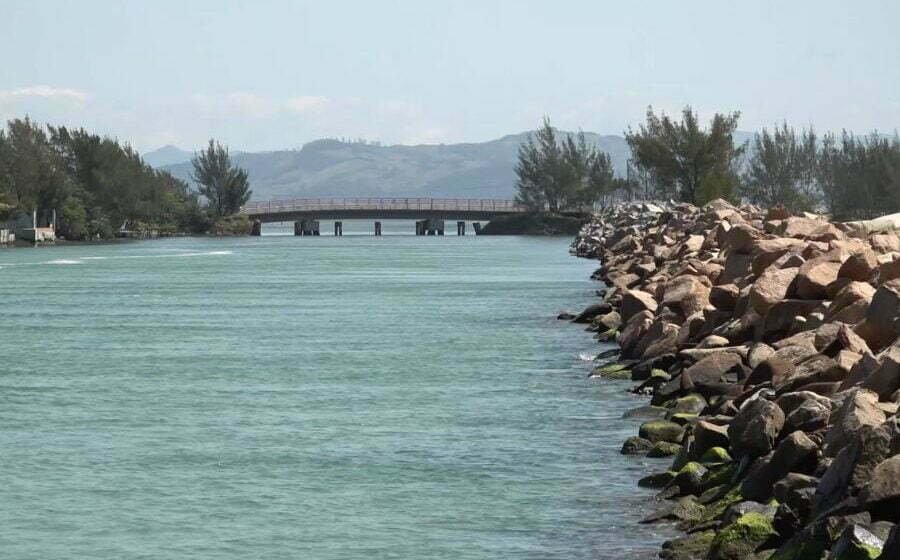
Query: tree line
[
  {"x": 97, "y": 187},
  {"x": 849, "y": 176}
]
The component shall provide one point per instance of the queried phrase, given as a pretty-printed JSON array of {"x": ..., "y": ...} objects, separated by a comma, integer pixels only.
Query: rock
[
  {"x": 885, "y": 380},
  {"x": 735, "y": 511},
  {"x": 891, "y": 550},
  {"x": 757, "y": 353},
  {"x": 689, "y": 479},
  {"x": 859, "y": 266},
  {"x": 795, "y": 453},
  {"x": 686, "y": 295},
  {"x": 850, "y": 303},
  {"x": 767, "y": 251},
  {"x": 880, "y": 326},
  {"x": 592, "y": 311},
  {"x": 615, "y": 370},
  {"x": 856, "y": 543},
  {"x": 708, "y": 435},
  {"x": 635, "y": 301},
  {"x": 715, "y": 455},
  {"x": 611, "y": 320},
  {"x": 741, "y": 539},
  {"x": 881, "y": 495},
  {"x": 814, "y": 276},
  {"x": 713, "y": 341},
  {"x": 651, "y": 412},
  {"x": 772, "y": 369},
  {"x": 685, "y": 508},
  {"x": 690, "y": 404},
  {"x": 713, "y": 367},
  {"x": 859, "y": 409},
  {"x": 740, "y": 239},
  {"x": 663, "y": 449},
  {"x": 636, "y": 446},
  {"x": 888, "y": 270},
  {"x": 691, "y": 547},
  {"x": 724, "y": 297},
  {"x": 770, "y": 288},
  {"x": 661, "y": 430},
  {"x": 754, "y": 430},
  {"x": 810, "y": 416},
  {"x": 633, "y": 331},
  {"x": 656, "y": 480},
  {"x": 565, "y": 316},
  {"x": 660, "y": 339}
]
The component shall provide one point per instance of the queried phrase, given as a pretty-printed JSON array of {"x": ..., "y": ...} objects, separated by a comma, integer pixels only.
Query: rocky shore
[{"x": 767, "y": 344}]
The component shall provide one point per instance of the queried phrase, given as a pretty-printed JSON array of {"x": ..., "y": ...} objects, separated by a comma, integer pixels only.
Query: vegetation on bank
[
  {"x": 849, "y": 176},
  {"x": 100, "y": 188},
  {"x": 536, "y": 223}
]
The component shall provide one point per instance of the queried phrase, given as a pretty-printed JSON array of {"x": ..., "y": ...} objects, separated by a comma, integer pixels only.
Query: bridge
[{"x": 429, "y": 213}]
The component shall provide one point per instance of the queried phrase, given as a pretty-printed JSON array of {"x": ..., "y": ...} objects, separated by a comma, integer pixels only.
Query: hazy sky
[{"x": 267, "y": 75}]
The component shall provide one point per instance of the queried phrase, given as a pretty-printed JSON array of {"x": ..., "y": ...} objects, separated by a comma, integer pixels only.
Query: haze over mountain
[{"x": 326, "y": 168}]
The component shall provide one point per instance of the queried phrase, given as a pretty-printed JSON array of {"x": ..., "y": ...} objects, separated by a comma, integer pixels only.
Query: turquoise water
[{"x": 313, "y": 398}]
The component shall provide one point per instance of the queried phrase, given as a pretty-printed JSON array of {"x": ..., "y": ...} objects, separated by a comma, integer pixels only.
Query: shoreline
[{"x": 767, "y": 346}]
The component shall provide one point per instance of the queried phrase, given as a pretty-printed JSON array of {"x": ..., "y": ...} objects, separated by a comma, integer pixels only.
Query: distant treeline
[
  {"x": 100, "y": 188},
  {"x": 848, "y": 176}
]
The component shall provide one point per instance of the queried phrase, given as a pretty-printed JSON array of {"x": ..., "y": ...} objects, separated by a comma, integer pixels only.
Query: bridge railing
[{"x": 409, "y": 204}]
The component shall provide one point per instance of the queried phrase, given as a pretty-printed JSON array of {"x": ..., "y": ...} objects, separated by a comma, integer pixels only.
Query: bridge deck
[{"x": 401, "y": 208}]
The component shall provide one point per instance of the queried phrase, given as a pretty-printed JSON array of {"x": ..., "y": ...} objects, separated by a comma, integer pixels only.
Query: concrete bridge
[{"x": 429, "y": 213}]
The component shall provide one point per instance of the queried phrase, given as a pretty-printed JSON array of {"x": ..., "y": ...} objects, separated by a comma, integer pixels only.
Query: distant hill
[
  {"x": 325, "y": 168},
  {"x": 167, "y": 155},
  {"x": 334, "y": 168}
]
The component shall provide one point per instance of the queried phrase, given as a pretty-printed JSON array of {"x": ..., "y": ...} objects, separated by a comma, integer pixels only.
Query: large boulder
[
  {"x": 860, "y": 408},
  {"x": 635, "y": 301},
  {"x": 712, "y": 368},
  {"x": 686, "y": 295},
  {"x": 814, "y": 276},
  {"x": 755, "y": 428},
  {"x": 885, "y": 380},
  {"x": 882, "y": 493},
  {"x": 767, "y": 251},
  {"x": 882, "y": 323},
  {"x": 661, "y": 430},
  {"x": 796, "y": 453},
  {"x": 660, "y": 339},
  {"x": 850, "y": 303},
  {"x": 859, "y": 266},
  {"x": 770, "y": 288}
]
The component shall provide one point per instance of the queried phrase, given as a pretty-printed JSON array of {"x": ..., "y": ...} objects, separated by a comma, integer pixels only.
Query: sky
[{"x": 266, "y": 75}]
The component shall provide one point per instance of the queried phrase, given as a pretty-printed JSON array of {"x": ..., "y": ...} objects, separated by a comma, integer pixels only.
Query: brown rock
[
  {"x": 859, "y": 266},
  {"x": 859, "y": 409},
  {"x": 885, "y": 380},
  {"x": 635, "y": 301},
  {"x": 850, "y": 303},
  {"x": 814, "y": 277},
  {"x": 883, "y": 489},
  {"x": 755, "y": 428},
  {"x": 889, "y": 271},
  {"x": 880, "y": 326},
  {"x": 686, "y": 295},
  {"x": 724, "y": 297},
  {"x": 770, "y": 288},
  {"x": 766, "y": 251}
]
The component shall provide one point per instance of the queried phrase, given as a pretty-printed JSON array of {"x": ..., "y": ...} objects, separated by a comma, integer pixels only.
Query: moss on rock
[
  {"x": 661, "y": 430},
  {"x": 663, "y": 449},
  {"x": 716, "y": 455},
  {"x": 741, "y": 539}
]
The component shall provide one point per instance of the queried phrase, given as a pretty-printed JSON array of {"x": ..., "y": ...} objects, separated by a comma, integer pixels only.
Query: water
[{"x": 313, "y": 398}]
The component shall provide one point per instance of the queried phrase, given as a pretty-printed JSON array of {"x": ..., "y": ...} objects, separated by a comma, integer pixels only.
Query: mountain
[
  {"x": 167, "y": 155},
  {"x": 326, "y": 168}
]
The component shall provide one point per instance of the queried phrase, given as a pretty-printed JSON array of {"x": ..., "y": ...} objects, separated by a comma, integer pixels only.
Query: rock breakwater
[{"x": 768, "y": 345}]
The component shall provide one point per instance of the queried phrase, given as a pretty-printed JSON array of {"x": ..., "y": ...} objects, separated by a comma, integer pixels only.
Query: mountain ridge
[{"x": 329, "y": 167}]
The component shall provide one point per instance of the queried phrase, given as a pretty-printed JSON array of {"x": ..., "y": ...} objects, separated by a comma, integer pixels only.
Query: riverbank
[{"x": 767, "y": 344}]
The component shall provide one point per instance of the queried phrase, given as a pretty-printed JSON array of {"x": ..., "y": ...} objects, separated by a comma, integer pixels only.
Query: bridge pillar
[
  {"x": 338, "y": 229},
  {"x": 306, "y": 227},
  {"x": 420, "y": 227},
  {"x": 256, "y": 228},
  {"x": 477, "y": 227},
  {"x": 433, "y": 226},
  {"x": 377, "y": 228},
  {"x": 460, "y": 228}
]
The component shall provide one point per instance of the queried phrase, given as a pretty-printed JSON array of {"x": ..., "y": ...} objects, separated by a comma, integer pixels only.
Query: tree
[
  {"x": 782, "y": 169},
  {"x": 555, "y": 175},
  {"x": 860, "y": 177},
  {"x": 679, "y": 156},
  {"x": 225, "y": 186}
]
